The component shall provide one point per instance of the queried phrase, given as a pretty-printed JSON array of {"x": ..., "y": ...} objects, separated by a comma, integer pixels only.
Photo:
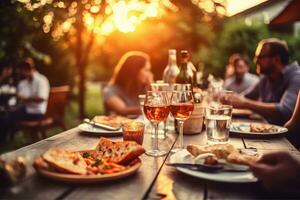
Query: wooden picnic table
[{"x": 154, "y": 180}]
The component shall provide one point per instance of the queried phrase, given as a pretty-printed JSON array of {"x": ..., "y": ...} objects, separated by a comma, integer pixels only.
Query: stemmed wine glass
[
  {"x": 181, "y": 107},
  {"x": 156, "y": 109},
  {"x": 166, "y": 88}
]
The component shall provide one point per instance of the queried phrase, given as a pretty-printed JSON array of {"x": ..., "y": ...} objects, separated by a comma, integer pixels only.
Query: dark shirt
[{"x": 282, "y": 91}]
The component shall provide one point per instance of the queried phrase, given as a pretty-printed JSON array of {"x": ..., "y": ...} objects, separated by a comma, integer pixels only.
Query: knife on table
[
  {"x": 211, "y": 168},
  {"x": 88, "y": 121}
]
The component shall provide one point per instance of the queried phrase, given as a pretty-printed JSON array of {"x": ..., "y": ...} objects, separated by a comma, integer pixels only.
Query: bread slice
[
  {"x": 65, "y": 161},
  {"x": 241, "y": 158},
  {"x": 220, "y": 150},
  {"x": 119, "y": 152},
  {"x": 262, "y": 128}
]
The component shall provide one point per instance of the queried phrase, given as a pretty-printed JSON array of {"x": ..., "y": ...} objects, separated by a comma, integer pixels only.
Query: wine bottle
[
  {"x": 186, "y": 75},
  {"x": 171, "y": 71}
]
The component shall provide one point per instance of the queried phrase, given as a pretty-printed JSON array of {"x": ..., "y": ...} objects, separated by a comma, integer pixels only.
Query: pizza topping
[{"x": 85, "y": 155}]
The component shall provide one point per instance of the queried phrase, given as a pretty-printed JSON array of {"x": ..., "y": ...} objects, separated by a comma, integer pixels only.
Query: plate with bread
[
  {"x": 104, "y": 125},
  {"x": 210, "y": 156},
  {"x": 256, "y": 129},
  {"x": 110, "y": 160}
]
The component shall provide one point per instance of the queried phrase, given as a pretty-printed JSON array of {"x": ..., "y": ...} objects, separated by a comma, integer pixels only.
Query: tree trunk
[
  {"x": 81, "y": 92},
  {"x": 79, "y": 62}
]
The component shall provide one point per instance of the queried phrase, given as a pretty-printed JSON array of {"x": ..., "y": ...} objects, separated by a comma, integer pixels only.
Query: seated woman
[{"x": 131, "y": 77}]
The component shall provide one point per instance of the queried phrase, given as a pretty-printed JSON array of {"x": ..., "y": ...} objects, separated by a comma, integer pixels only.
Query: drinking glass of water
[{"x": 218, "y": 120}]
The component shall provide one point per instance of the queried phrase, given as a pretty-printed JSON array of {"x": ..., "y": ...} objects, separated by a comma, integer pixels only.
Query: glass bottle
[
  {"x": 171, "y": 71},
  {"x": 186, "y": 75}
]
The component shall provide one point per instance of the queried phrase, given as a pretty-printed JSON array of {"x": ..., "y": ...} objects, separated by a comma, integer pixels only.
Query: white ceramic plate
[
  {"x": 243, "y": 128},
  {"x": 230, "y": 177},
  {"x": 87, "y": 128}
]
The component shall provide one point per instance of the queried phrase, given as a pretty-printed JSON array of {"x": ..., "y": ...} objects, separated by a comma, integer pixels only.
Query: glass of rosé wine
[
  {"x": 156, "y": 110},
  {"x": 181, "y": 107}
]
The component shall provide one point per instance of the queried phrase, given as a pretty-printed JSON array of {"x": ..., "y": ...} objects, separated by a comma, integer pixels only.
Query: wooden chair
[{"x": 57, "y": 102}]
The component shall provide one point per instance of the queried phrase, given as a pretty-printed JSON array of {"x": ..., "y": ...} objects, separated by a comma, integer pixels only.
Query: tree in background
[
  {"x": 191, "y": 27},
  {"x": 235, "y": 37},
  {"x": 80, "y": 23}
]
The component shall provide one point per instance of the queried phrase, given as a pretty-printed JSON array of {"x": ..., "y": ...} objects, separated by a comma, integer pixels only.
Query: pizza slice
[
  {"x": 119, "y": 152},
  {"x": 65, "y": 161}
]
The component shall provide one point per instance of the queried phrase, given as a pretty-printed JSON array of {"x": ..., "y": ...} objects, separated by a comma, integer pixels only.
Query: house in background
[{"x": 268, "y": 12}]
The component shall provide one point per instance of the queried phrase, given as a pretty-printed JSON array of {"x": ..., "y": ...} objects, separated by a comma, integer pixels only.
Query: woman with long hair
[{"x": 131, "y": 76}]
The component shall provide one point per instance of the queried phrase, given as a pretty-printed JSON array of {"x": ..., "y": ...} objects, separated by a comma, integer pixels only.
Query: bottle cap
[
  {"x": 184, "y": 54},
  {"x": 172, "y": 51}
]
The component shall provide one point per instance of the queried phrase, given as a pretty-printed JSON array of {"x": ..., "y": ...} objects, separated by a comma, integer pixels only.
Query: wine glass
[
  {"x": 156, "y": 110},
  {"x": 158, "y": 86},
  {"x": 181, "y": 107}
]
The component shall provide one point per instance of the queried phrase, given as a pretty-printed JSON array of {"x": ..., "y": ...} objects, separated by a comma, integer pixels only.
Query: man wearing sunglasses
[{"x": 275, "y": 95}]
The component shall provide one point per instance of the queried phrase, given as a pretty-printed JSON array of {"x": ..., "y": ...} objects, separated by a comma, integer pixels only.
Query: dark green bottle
[{"x": 186, "y": 75}]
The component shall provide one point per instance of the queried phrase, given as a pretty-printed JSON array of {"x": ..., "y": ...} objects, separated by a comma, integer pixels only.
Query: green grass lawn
[{"x": 93, "y": 106}]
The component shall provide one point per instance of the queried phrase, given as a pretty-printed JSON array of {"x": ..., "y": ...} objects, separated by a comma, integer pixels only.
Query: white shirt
[
  {"x": 248, "y": 83},
  {"x": 37, "y": 87}
]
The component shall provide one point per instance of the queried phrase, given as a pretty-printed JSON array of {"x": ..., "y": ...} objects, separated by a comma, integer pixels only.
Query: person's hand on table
[
  {"x": 279, "y": 172},
  {"x": 238, "y": 101}
]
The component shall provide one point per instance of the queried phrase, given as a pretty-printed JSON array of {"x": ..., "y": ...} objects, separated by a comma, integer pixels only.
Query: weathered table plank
[{"x": 277, "y": 143}]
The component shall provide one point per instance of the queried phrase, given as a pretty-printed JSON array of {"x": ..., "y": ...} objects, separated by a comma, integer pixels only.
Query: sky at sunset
[{"x": 236, "y": 6}]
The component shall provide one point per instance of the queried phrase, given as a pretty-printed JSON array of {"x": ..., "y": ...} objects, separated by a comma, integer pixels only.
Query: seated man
[
  {"x": 242, "y": 81},
  {"x": 275, "y": 95},
  {"x": 32, "y": 94}
]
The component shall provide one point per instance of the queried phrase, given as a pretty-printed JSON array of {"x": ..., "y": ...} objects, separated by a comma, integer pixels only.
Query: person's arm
[
  {"x": 267, "y": 110},
  {"x": 294, "y": 121},
  {"x": 116, "y": 104},
  {"x": 34, "y": 99}
]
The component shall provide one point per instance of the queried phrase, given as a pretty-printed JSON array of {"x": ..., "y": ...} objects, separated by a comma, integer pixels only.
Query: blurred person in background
[
  {"x": 242, "y": 81},
  {"x": 275, "y": 95},
  {"x": 279, "y": 172},
  {"x": 6, "y": 72},
  {"x": 32, "y": 95},
  {"x": 131, "y": 77},
  {"x": 229, "y": 72}
]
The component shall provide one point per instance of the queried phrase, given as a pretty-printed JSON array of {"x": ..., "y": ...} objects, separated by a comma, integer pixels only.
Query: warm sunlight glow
[
  {"x": 236, "y": 6},
  {"x": 123, "y": 16}
]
